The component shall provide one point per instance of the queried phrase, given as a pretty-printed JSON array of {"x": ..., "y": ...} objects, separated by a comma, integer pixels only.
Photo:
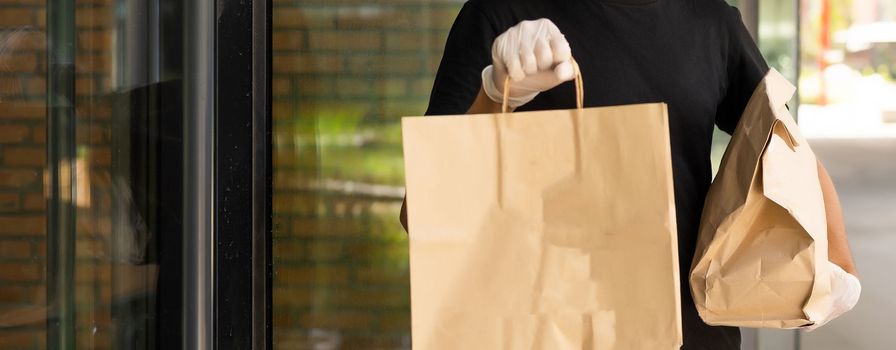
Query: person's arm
[
  {"x": 838, "y": 247},
  {"x": 484, "y": 105},
  {"x": 403, "y": 215}
]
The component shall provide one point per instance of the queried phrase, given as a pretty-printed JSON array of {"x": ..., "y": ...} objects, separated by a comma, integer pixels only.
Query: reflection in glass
[
  {"x": 344, "y": 74},
  {"x": 23, "y": 165},
  {"x": 90, "y": 174}
]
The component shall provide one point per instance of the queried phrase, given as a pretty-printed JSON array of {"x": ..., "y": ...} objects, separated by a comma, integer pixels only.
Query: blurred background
[{"x": 344, "y": 72}]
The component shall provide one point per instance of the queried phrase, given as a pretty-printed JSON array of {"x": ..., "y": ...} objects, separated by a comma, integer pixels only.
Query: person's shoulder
[
  {"x": 718, "y": 12},
  {"x": 492, "y": 6},
  {"x": 719, "y": 9}
]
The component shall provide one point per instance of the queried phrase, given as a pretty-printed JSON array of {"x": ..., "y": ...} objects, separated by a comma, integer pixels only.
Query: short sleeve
[
  {"x": 745, "y": 69},
  {"x": 467, "y": 52}
]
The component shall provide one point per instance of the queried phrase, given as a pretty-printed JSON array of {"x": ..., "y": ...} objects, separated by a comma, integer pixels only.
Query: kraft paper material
[
  {"x": 761, "y": 256},
  {"x": 543, "y": 230}
]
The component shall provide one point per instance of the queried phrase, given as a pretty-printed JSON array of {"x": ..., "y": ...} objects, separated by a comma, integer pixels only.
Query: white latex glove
[
  {"x": 535, "y": 55},
  {"x": 845, "y": 290}
]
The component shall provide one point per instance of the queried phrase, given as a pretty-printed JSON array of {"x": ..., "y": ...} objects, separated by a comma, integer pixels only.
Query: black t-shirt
[{"x": 694, "y": 55}]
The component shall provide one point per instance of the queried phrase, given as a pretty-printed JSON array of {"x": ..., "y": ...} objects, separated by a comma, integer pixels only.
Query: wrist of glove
[
  {"x": 497, "y": 95},
  {"x": 534, "y": 55},
  {"x": 845, "y": 292}
]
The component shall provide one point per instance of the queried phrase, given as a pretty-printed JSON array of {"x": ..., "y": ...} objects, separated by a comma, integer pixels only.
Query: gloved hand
[
  {"x": 535, "y": 55},
  {"x": 845, "y": 290}
]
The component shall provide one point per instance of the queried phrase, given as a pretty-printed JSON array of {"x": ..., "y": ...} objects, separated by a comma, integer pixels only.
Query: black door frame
[
  {"x": 242, "y": 181},
  {"x": 227, "y": 241}
]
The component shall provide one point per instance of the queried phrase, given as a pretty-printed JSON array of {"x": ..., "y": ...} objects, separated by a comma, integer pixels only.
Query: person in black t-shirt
[{"x": 694, "y": 55}]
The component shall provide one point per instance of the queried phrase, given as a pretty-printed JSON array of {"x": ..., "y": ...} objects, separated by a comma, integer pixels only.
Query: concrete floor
[{"x": 864, "y": 171}]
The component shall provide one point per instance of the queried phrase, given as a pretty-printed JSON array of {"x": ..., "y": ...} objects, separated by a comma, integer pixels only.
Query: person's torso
[{"x": 636, "y": 51}]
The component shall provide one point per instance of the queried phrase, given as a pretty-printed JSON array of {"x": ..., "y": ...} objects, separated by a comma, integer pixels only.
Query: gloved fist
[
  {"x": 535, "y": 55},
  {"x": 845, "y": 290}
]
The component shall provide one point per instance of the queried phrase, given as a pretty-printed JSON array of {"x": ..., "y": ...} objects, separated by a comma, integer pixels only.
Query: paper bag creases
[
  {"x": 762, "y": 247},
  {"x": 543, "y": 230}
]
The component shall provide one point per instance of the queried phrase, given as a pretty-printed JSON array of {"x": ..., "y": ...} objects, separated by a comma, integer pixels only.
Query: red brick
[
  {"x": 26, "y": 110},
  {"x": 18, "y": 62},
  {"x": 381, "y": 275},
  {"x": 36, "y": 86},
  {"x": 41, "y": 18},
  {"x": 378, "y": 251},
  {"x": 85, "y": 86},
  {"x": 285, "y": 17},
  {"x": 13, "y": 294},
  {"x": 404, "y": 41},
  {"x": 101, "y": 156},
  {"x": 390, "y": 19},
  {"x": 35, "y": 201},
  {"x": 396, "y": 322},
  {"x": 337, "y": 320},
  {"x": 9, "y": 202},
  {"x": 375, "y": 298},
  {"x": 99, "y": 40},
  {"x": 94, "y": 63},
  {"x": 280, "y": 86},
  {"x": 324, "y": 251},
  {"x": 13, "y": 17},
  {"x": 18, "y": 272},
  {"x": 385, "y": 65},
  {"x": 24, "y": 2},
  {"x": 95, "y": 17},
  {"x": 342, "y": 40},
  {"x": 90, "y": 248},
  {"x": 25, "y": 40},
  {"x": 282, "y": 318},
  {"x": 288, "y": 18},
  {"x": 441, "y": 19},
  {"x": 288, "y": 251},
  {"x": 39, "y": 134},
  {"x": 18, "y": 339},
  {"x": 295, "y": 297},
  {"x": 11, "y": 87},
  {"x": 287, "y": 40},
  {"x": 24, "y": 156},
  {"x": 94, "y": 110},
  {"x": 22, "y": 225},
  {"x": 88, "y": 272},
  {"x": 17, "y": 178},
  {"x": 358, "y": 87},
  {"x": 281, "y": 110},
  {"x": 16, "y": 249},
  {"x": 307, "y": 63},
  {"x": 325, "y": 227},
  {"x": 321, "y": 275},
  {"x": 13, "y": 133}
]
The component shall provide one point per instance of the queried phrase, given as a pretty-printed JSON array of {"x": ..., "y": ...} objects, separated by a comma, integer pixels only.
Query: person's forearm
[
  {"x": 838, "y": 246},
  {"x": 403, "y": 214},
  {"x": 484, "y": 105}
]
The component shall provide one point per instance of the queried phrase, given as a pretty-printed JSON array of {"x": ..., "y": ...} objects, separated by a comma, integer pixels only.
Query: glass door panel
[
  {"x": 343, "y": 75},
  {"x": 90, "y": 174}
]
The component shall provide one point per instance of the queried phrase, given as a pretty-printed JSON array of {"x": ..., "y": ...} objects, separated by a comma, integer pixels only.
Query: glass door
[
  {"x": 343, "y": 75},
  {"x": 95, "y": 183},
  {"x": 134, "y": 186}
]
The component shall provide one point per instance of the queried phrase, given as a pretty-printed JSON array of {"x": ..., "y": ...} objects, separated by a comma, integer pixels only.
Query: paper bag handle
[{"x": 580, "y": 89}]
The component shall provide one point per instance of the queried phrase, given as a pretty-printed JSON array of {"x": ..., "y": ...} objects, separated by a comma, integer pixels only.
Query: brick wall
[
  {"x": 344, "y": 73},
  {"x": 22, "y": 161},
  {"x": 23, "y": 149}
]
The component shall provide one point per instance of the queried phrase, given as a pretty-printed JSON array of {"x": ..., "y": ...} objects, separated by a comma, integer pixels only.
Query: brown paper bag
[
  {"x": 543, "y": 230},
  {"x": 762, "y": 250}
]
